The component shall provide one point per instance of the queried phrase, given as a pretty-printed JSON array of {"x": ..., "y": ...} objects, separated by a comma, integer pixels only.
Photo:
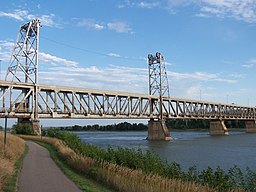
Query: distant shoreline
[{"x": 170, "y": 130}]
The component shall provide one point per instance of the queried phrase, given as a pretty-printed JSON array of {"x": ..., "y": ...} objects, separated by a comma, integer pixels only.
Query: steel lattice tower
[
  {"x": 23, "y": 65},
  {"x": 158, "y": 80}
]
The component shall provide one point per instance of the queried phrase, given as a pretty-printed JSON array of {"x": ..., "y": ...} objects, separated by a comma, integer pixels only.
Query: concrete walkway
[{"x": 40, "y": 174}]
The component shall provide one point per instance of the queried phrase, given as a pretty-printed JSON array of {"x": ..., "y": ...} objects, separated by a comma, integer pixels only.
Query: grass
[
  {"x": 118, "y": 177},
  {"x": 11, "y": 183},
  {"x": 11, "y": 157},
  {"x": 79, "y": 179}
]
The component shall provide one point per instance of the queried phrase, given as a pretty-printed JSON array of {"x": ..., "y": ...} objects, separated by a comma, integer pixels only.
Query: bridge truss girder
[{"x": 69, "y": 102}]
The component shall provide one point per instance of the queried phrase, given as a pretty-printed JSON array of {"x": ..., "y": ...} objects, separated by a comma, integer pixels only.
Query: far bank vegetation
[{"x": 170, "y": 123}]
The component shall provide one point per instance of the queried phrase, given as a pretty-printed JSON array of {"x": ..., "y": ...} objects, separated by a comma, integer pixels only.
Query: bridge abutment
[
  {"x": 157, "y": 130},
  {"x": 35, "y": 124},
  {"x": 250, "y": 126},
  {"x": 218, "y": 128}
]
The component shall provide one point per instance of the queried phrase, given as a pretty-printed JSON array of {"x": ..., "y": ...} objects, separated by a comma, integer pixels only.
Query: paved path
[{"x": 40, "y": 174}]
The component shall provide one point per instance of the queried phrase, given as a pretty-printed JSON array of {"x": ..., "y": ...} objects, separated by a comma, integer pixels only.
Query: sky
[{"x": 208, "y": 45}]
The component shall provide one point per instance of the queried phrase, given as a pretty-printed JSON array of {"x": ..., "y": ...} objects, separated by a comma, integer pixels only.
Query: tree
[{"x": 22, "y": 128}]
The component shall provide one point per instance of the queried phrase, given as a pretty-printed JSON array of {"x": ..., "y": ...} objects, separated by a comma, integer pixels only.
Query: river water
[{"x": 189, "y": 148}]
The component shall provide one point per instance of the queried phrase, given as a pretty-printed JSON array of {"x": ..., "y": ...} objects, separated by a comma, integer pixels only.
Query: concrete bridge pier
[
  {"x": 35, "y": 124},
  {"x": 218, "y": 128},
  {"x": 157, "y": 130},
  {"x": 250, "y": 126}
]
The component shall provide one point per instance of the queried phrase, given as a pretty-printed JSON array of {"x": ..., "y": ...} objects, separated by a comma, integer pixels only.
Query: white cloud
[
  {"x": 119, "y": 26},
  {"x": 244, "y": 10},
  {"x": 211, "y": 10},
  {"x": 6, "y": 48},
  {"x": 17, "y": 14},
  {"x": 224, "y": 80},
  {"x": 201, "y": 76},
  {"x": 113, "y": 55},
  {"x": 129, "y": 79},
  {"x": 47, "y": 20},
  {"x": 140, "y": 4},
  {"x": 54, "y": 60},
  {"x": 112, "y": 77},
  {"x": 202, "y": 15},
  {"x": 236, "y": 75},
  {"x": 148, "y": 5},
  {"x": 24, "y": 15},
  {"x": 250, "y": 64},
  {"x": 90, "y": 24}
]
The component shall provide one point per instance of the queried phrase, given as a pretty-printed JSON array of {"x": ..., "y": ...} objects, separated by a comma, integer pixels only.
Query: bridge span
[
  {"x": 22, "y": 97},
  {"x": 68, "y": 102},
  {"x": 79, "y": 103}
]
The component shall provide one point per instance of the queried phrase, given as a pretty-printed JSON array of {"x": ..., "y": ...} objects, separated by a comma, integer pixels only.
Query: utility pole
[{"x": 5, "y": 126}]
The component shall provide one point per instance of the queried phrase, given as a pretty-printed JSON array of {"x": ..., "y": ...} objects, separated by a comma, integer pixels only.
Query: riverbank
[
  {"x": 119, "y": 178},
  {"x": 150, "y": 164}
]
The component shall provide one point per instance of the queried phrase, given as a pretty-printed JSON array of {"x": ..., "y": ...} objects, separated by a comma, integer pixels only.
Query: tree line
[
  {"x": 125, "y": 126},
  {"x": 200, "y": 124},
  {"x": 170, "y": 123}
]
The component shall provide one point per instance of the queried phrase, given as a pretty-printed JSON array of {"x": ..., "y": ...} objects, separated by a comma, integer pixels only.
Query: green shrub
[{"x": 250, "y": 180}]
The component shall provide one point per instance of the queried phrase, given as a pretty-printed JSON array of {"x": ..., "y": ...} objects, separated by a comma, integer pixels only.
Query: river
[{"x": 189, "y": 148}]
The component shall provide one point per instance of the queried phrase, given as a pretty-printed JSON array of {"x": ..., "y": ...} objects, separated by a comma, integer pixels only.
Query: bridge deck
[{"x": 16, "y": 101}]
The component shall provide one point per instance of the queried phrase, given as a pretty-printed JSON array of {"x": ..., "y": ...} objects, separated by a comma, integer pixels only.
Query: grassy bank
[
  {"x": 10, "y": 161},
  {"x": 119, "y": 178},
  {"x": 150, "y": 163}
]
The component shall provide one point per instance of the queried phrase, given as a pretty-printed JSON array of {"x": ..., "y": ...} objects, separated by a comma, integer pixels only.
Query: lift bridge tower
[
  {"x": 158, "y": 85},
  {"x": 23, "y": 68}
]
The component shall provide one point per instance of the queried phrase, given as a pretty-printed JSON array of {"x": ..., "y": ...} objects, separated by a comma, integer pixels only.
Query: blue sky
[{"x": 209, "y": 45}]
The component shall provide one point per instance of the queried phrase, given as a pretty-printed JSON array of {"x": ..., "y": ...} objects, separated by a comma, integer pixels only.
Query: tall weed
[{"x": 9, "y": 154}]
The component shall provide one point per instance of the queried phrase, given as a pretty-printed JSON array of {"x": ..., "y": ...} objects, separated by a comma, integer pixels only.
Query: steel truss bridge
[
  {"x": 69, "y": 102},
  {"x": 22, "y": 97}
]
